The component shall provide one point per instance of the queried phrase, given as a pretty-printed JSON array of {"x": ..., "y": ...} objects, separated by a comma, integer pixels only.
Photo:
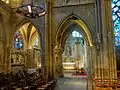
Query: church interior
[{"x": 59, "y": 44}]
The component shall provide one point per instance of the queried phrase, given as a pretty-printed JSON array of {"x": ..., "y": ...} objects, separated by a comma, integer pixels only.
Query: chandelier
[{"x": 30, "y": 10}]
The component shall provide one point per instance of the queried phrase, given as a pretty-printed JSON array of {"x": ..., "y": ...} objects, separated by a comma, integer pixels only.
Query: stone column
[
  {"x": 7, "y": 59},
  {"x": 25, "y": 58},
  {"x": 89, "y": 60},
  {"x": 1, "y": 57},
  {"x": 85, "y": 57},
  {"x": 91, "y": 65},
  {"x": 30, "y": 59},
  {"x": 109, "y": 60},
  {"x": 105, "y": 60},
  {"x": 58, "y": 68}
]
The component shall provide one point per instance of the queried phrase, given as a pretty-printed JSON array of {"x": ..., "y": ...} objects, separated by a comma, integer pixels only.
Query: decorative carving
[{"x": 17, "y": 58}]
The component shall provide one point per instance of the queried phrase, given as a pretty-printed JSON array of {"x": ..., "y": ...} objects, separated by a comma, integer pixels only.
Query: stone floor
[{"x": 69, "y": 82}]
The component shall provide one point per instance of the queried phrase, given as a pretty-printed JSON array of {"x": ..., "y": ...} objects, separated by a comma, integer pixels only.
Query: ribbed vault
[{"x": 29, "y": 34}]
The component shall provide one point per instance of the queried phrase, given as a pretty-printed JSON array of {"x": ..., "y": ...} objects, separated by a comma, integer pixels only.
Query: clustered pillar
[{"x": 58, "y": 68}]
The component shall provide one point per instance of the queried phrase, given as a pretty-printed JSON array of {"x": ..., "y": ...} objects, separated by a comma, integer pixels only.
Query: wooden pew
[{"x": 102, "y": 88}]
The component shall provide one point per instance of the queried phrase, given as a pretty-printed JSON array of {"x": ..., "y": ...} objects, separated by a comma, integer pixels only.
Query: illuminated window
[
  {"x": 116, "y": 20},
  {"x": 76, "y": 34},
  {"x": 18, "y": 41},
  {"x": 37, "y": 41}
]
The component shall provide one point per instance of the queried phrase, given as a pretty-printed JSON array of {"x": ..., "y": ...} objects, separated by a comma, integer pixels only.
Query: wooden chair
[
  {"x": 102, "y": 88},
  {"x": 49, "y": 86},
  {"x": 52, "y": 84},
  {"x": 41, "y": 88}
]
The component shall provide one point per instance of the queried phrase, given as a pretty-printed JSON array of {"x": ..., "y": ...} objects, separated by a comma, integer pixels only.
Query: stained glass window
[
  {"x": 116, "y": 20},
  {"x": 18, "y": 41}
]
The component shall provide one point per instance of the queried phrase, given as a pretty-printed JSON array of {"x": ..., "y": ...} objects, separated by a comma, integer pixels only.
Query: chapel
[{"x": 59, "y": 44}]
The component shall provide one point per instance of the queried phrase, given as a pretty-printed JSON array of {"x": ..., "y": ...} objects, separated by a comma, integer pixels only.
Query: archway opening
[
  {"x": 74, "y": 57},
  {"x": 73, "y": 51},
  {"x": 66, "y": 41},
  {"x": 26, "y": 49}
]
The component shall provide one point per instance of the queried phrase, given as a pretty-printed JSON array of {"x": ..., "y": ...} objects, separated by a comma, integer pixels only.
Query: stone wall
[
  {"x": 71, "y": 2},
  {"x": 85, "y": 12}
]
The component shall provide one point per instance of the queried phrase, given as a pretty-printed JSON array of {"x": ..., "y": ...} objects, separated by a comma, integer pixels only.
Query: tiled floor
[{"x": 71, "y": 83}]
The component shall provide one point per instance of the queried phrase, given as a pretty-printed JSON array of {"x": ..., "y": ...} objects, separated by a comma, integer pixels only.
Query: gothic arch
[
  {"x": 20, "y": 23},
  {"x": 69, "y": 30},
  {"x": 62, "y": 32}
]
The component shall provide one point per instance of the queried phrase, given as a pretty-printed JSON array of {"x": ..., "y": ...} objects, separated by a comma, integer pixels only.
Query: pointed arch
[
  {"x": 23, "y": 21},
  {"x": 66, "y": 23}
]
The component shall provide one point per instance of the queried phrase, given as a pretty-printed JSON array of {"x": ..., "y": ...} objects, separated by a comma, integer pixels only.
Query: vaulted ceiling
[
  {"x": 17, "y": 3},
  {"x": 29, "y": 34}
]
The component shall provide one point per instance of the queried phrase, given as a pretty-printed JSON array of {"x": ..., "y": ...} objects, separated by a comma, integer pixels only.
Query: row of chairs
[
  {"x": 104, "y": 84},
  {"x": 48, "y": 86},
  {"x": 25, "y": 81}
]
